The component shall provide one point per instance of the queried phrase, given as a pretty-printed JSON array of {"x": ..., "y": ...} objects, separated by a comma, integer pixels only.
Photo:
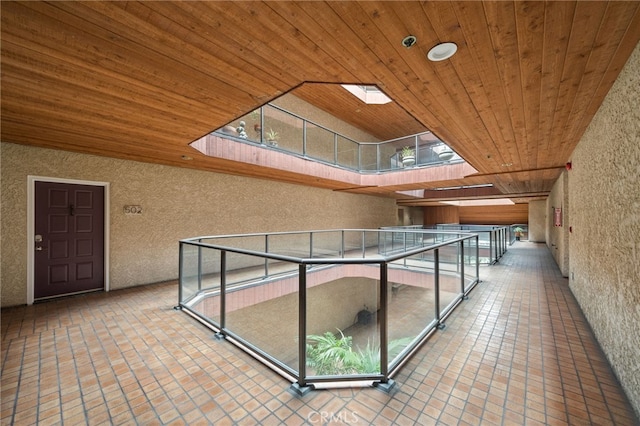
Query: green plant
[
  {"x": 370, "y": 356},
  {"x": 331, "y": 354},
  {"x": 407, "y": 151},
  {"x": 272, "y": 135},
  {"x": 518, "y": 232}
]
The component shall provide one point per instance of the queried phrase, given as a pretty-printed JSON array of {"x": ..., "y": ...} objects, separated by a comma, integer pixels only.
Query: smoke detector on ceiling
[{"x": 409, "y": 41}]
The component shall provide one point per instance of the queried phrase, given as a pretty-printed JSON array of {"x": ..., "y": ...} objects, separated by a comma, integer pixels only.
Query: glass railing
[
  {"x": 327, "y": 307},
  {"x": 493, "y": 240},
  {"x": 275, "y": 128}
]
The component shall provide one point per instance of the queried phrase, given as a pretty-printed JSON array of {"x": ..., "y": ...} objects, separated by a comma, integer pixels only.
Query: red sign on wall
[{"x": 557, "y": 216}]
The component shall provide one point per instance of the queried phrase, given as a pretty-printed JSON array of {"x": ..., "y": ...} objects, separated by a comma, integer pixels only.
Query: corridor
[{"x": 517, "y": 351}]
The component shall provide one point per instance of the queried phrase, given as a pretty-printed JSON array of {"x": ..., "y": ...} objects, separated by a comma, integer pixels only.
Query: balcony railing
[
  {"x": 493, "y": 240},
  {"x": 275, "y": 128},
  {"x": 326, "y": 307}
]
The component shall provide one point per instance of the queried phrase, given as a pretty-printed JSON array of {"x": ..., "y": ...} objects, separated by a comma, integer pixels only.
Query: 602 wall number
[{"x": 132, "y": 209}]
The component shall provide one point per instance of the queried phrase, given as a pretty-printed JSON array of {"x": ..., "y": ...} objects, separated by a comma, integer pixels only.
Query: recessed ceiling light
[{"x": 442, "y": 51}]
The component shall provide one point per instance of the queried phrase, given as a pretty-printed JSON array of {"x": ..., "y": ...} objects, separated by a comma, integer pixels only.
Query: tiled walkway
[{"x": 517, "y": 352}]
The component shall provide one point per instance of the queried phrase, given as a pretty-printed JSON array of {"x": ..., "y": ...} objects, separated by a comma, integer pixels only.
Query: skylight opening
[
  {"x": 484, "y": 185},
  {"x": 485, "y": 202},
  {"x": 370, "y": 95}
]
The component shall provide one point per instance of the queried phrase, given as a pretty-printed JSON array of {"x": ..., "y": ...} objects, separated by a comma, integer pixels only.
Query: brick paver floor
[{"x": 518, "y": 351}]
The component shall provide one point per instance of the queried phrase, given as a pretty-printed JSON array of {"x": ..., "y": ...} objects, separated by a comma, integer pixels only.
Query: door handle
[{"x": 39, "y": 248}]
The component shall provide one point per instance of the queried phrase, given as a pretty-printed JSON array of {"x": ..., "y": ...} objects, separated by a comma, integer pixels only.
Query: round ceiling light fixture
[{"x": 442, "y": 51}]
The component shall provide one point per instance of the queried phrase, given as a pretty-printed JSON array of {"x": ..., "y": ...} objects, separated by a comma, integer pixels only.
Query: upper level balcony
[{"x": 275, "y": 138}]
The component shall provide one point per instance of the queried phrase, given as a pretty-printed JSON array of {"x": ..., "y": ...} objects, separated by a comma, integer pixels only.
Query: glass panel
[
  {"x": 353, "y": 243},
  {"x": 265, "y": 314},
  {"x": 205, "y": 299},
  {"x": 189, "y": 275},
  {"x": 347, "y": 153},
  {"x": 392, "y": 156},
  {"x": 470, "y": 259},
  {"x": 291, "y": 244},
  {"x": 369, "y": 157},
  {"x": 411, "y": 298},
  {"x": 326, "y": 244},
  {"x": 246, "y": 127},
  {"x": 450, "y": 280},
  {"x": 245, "y": 242},
  {"x": 320, "y": 144},
  {"x": 342, "y": 326},
  {"x": 484, "y": 242},
  {"x": 282, "y": 130},
  {"x": 242, "y": 268}
]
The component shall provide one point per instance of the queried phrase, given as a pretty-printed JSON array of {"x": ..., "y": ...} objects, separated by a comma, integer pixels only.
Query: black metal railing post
[
  {"x": 266, "y": 260},
  {"x": 477, "y": 256},
  {"x": 462, "y": 265},
  {"x": 180, "y": 272},
  {"x": 199, "y": 268},
  {"x": 302, "y": 325},
  {"x": 436, "y": 275},
  {"x": 223, "y": 289},
  {"x": 384, "y": 338}
]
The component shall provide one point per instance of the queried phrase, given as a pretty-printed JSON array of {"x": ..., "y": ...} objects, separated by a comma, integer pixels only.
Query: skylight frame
[{"x": 370, "y": 95}]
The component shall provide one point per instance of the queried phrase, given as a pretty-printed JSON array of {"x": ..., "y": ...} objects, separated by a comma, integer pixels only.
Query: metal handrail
[
  {"x": 302, "y": 382},
  {"x": 415, "y": 144}
]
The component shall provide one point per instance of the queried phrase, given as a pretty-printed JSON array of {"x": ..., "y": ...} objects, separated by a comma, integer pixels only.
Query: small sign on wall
[
  {"x": 557, "y": 216},
  {"x": 132, "y": 209}
]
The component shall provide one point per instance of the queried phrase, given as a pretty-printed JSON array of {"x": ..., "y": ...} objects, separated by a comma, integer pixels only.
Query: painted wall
[
  {"x": 537, "y": 221},
  {"x": 605, "y": 218},
  {"x": 557, "y": 237},
  {"x": 176, "y": 202}
]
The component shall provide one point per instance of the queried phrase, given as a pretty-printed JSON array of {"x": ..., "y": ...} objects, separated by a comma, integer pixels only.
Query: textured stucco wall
[
  {"x": 176, "y": 202},
  {"x": 537, "y": 221},
  {"x": 605, "y": 217},
  {"x": 557, "y": 237}
]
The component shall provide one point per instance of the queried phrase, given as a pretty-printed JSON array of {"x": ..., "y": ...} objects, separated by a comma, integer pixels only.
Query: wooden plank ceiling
[{"x": 141, "y": 80}]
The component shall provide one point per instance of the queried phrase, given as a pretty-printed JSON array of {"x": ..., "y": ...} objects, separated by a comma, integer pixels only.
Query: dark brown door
[{"x": 69, "y": 239}]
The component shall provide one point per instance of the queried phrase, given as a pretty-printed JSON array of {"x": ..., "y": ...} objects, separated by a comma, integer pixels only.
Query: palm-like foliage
[
  {"x": 331, "y": 354},
  {"x": 370, "y": 356}
]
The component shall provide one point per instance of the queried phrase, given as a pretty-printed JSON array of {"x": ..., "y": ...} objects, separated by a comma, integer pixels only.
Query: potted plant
[
  {"x": 519, "y": 232},
  {"x": 408, "y": 156},
  {"x": 445, "y": 153},
  {"x": 272, "y": 137}
]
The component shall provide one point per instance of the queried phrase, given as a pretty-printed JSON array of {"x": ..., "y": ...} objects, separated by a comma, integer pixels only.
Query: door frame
[{"x": 31, "y": 220}]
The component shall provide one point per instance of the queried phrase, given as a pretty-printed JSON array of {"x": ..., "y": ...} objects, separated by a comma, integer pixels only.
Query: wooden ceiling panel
[
  {"x": 396, "y": 120},
  {"x": 142, "y": 80}
]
